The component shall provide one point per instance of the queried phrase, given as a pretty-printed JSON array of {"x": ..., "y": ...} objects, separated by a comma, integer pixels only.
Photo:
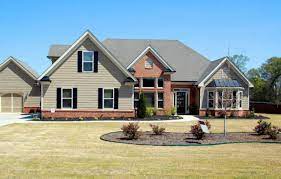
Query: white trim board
[
  {"x": 201, "y": 84},
  {"x": 75, "y": 45},
  {"x": 159, "y": 58}
]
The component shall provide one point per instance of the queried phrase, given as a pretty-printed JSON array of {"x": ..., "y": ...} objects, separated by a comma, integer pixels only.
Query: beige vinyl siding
[
  {"x": 226, "y": 72},
  {"x": 14, "y": 80},
  {"x": 87, "y": 83}
]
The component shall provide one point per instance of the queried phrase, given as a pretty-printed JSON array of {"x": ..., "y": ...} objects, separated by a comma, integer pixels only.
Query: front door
[{"x": 181, "y": 102}]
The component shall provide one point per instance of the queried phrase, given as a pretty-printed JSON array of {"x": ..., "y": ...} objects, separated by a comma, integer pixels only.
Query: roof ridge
[{"x": 140, "y": 39}]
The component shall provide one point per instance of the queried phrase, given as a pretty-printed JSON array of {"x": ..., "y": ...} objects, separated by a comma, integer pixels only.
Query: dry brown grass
[{"x": 75, "y": 150}]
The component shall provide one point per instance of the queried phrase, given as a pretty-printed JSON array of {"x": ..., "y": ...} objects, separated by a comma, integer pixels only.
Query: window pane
[
  {"x": 149, "y": 98},
  {"x": 160, "y": 82},
  {"x": 67, "y": 103},
  {"x": 148, "y": 82},
  {"x": 108, "y": 103},
  {"x": 211, "y": 95},
  {"x": 234, "y": 94},
  {"x": 160, "y": 96},
  {"x": 136, "y": 104},
  {"x": 67, "y": 93},
  {"x": 88, "y": 66},
  {"x": 138, "y": 84},
  {"x": 108, "y": 93},
  {"x": 148, "y": 63},
  {"x": 88, "y": 56},
  {"x": 160, "y": 104},
  {"x": 219, "y": 99},
  {"x": 211, "y": 103}
]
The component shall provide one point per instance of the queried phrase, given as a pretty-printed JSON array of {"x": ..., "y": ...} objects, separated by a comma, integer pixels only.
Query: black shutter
[
  {"x": 116, "y": 98},
  {"x": 100, "y": 98},
  {"x": 74, "y": 98},
  {"x": 79, "y": 61},
  {"x": 58, "y": 98},
  {"x": 96, "y": 59}
]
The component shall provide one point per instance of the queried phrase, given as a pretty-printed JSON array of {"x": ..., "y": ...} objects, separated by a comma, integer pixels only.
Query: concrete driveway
[{"x": 10, "y": 118}]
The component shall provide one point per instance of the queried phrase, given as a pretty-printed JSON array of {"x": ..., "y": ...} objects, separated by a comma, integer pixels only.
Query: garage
[{"x": 11, "y": 102}]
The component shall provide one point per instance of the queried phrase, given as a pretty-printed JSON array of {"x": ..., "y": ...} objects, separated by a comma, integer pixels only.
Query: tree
[
  {"x": 142, "y": 106},
  {"x": 240, "y": 61}
]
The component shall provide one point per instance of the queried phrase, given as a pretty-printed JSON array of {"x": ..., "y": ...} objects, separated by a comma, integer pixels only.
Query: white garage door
[{"x": 11, "y": 103}]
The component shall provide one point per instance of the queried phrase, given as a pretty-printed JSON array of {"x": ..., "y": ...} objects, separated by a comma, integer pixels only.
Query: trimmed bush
[
  {"x": 262, "y": 127},
  {"x": 273, "y": 132},
  {"x": 150, "y": 112},
  {"x": 157, "y": 130},
  {"x": 142, "y": 107},
  {"x": 131, "y": 130},
  {"x": 173, "y": 111},
  {"x": 197, "y": 131}
]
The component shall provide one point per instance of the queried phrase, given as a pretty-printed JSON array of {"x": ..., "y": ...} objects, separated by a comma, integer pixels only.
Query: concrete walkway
[{"x": 10, "y": 118}]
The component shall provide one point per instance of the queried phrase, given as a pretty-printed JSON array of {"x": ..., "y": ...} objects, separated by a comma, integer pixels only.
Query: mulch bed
[
  {"x": 153, "y": 118},
  {"x": 178, "y": 139}
]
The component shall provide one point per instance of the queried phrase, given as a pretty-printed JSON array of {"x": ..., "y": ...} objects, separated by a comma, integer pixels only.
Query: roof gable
[
  {"x": 213, "y": 68},
  {"x": 27, "y": 69},
  {"x": 75, "y": 45},
  {"x": 155, "y": 54}
]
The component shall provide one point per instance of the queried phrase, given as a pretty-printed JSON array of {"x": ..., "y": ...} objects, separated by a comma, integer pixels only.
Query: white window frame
[
  {"x": 159, "y": 100},
  {"x": 158, "y": 81},
  {"x": 214, "y": 93},
  {"x": 62, "y": 98},
  {"x": 103, "y": 98},
  {"x": 147, "y": 64},
  {"x": 154, "y": 79},
  {"x": 85, "y": 51}
]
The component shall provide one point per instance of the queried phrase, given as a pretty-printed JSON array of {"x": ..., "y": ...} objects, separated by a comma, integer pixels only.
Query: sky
[{"x": 212, "y": 28}]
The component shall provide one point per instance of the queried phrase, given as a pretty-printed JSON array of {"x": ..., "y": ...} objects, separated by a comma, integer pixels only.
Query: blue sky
[{"x": 252, "y": 28}]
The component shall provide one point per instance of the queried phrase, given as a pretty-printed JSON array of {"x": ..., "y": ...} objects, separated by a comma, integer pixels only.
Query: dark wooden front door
[{"x": 181, "y": 102}]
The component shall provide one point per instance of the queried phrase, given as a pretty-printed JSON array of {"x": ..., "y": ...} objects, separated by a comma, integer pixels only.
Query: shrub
[
  {"x": 157, "y": 130},
  {"x": 150, "y": 112},
  {"x": 273, "y": 132},
  {"x": 131, "y": 130},
  {"x": 173, "y": 111},
  {"x": 197, "y": 131},
  {"x": 262, "y": 127},
  {"x": 208, "y": 124},
  {"x": 141, "y": 112}
]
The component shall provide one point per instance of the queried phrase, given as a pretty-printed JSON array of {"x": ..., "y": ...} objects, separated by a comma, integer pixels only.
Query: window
[
  {"x": 88, "y": 61},
  {"x": 234, "y": 99},
  {"x": 108, "y": 98},
  {"x": 149, "y": 97},
  {"x": 136, "y": 99},
  {"x": 67, "y": 98},
  {"x": 160, "y": 100},
  {"x": 148, "y": 63},
  {"x": 148, "y": 82},
  {"x": 211, "y": 99},
  {"x": 160, "y": 83},
  {"x": 227, "y": 99}
]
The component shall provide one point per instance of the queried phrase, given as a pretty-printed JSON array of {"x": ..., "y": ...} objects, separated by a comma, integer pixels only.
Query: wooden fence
[{"x": 265, "y": 107}]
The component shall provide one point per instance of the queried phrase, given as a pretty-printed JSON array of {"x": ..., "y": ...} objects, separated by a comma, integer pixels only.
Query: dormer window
[
  {"x": 88, "y": 61},
  {"x": 148, "y": 63}
]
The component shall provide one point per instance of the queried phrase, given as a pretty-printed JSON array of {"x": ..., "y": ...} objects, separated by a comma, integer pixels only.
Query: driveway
[{"x": 10, "y": 118}]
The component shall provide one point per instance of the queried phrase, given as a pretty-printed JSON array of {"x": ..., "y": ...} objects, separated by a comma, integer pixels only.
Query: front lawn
[{"x": 75, "y": 150}]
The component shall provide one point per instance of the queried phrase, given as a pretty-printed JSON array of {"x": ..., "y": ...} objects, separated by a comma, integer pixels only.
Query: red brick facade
[
  {"x": 194, "y": 92},
  {"x": 218, "y": 113},
  {"x": 28, "y": 110},
  {"x": 90, "y": 114}
]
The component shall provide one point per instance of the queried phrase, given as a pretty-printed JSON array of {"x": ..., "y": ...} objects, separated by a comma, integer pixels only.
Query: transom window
[
  {"x": 148, "y": 82},
  {"x": 148, "y": 63},
  {"x": 88, "y": 61},
  {"x": 108, "y": 98},
  {"x": 160, "y": 100},
  {"x": 67, "y": 98}
]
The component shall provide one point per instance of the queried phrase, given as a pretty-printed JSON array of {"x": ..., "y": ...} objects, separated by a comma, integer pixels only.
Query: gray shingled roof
[
  {"x": 57, "y": 50},
  {"x": 189, "y": 64},
  {"x": 27, "y": 67}
]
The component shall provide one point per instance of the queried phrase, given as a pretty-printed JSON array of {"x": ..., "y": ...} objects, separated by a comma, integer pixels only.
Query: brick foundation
[
  {"x": 218, "y": 113},
  {"x": 28, "y": 110},
  {"x": 85, "y": 114}
]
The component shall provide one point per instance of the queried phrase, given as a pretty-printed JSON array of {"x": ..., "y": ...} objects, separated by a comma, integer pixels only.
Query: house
[{"x": 105, "y": 79}]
